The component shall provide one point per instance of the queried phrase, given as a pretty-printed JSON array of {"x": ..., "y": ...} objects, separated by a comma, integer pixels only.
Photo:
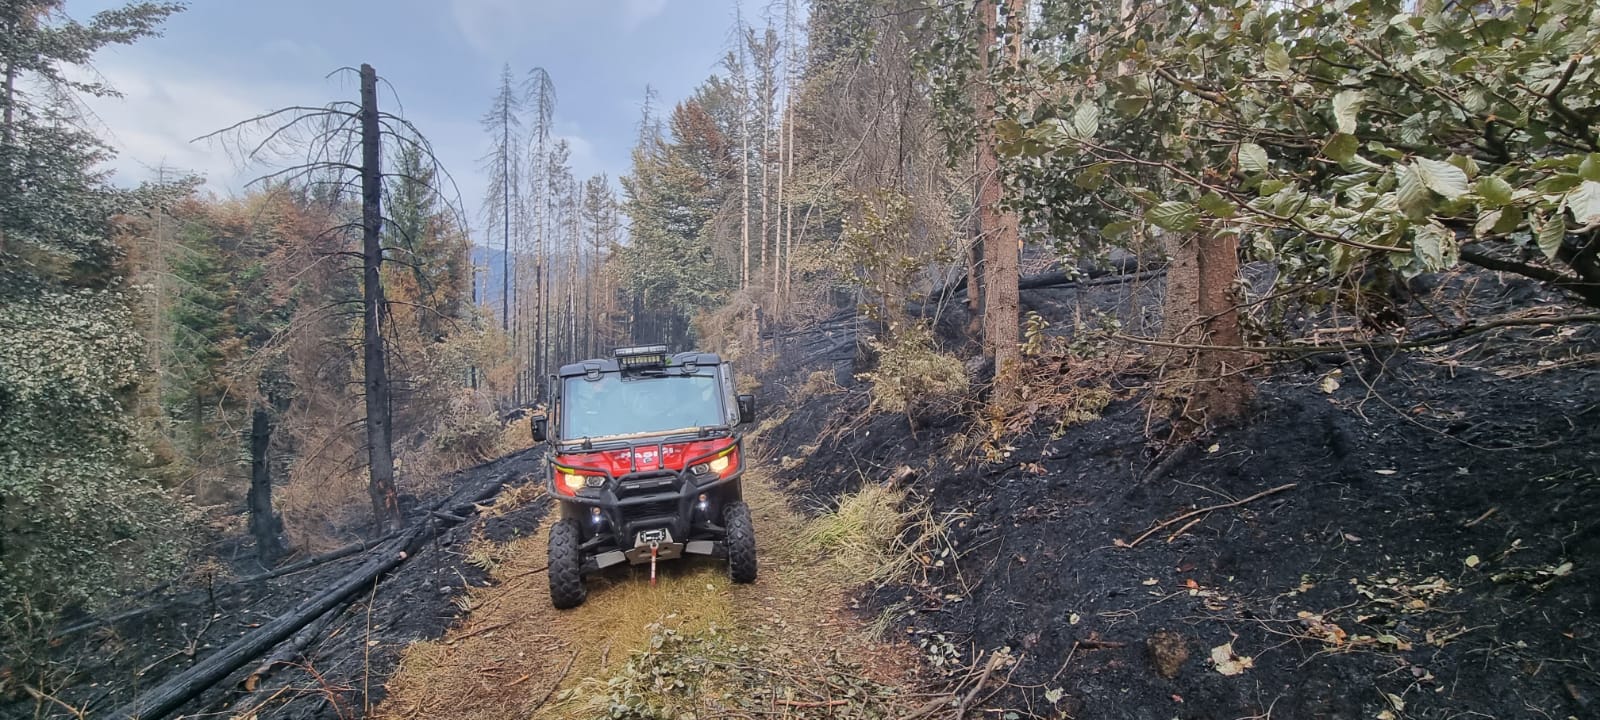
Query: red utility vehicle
[{"x": 645, "y": 466}]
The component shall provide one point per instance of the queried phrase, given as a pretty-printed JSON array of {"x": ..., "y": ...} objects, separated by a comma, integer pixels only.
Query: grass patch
[{"x": 872, "y": 537}]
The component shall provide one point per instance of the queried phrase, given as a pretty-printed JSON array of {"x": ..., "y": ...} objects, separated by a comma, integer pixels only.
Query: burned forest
[{"x": 813, "y": 359}]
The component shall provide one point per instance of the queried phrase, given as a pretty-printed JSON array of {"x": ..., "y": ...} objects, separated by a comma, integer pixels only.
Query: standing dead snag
[
  {"x": 337, "y": 148},
  {"x": 265, "y": 525},
  {"x": 380, "y": 446}
]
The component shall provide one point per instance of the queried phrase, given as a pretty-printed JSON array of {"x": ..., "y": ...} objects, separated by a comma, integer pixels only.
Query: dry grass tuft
[{"x": 872, "y": 537}]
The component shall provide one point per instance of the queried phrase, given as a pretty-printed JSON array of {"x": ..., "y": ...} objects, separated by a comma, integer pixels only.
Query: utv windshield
[{"x": 615, "y": 405}]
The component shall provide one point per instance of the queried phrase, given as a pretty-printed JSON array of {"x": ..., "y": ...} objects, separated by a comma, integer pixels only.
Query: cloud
[
  {"x": 638, "y": 12},
  {"x": 163, "y": 109}
]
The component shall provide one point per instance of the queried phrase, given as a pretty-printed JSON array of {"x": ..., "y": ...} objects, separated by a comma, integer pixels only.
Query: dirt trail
[{"x": 694, "y": 645}]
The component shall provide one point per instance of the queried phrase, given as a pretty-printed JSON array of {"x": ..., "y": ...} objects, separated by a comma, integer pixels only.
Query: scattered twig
[
  {"x": 813, "y": 703},
  {"x": 557, "y": 683},
  {"x": 1202, "y": 511},
  {"x": 1184, "y": 529},
  {"x": 1485, "y": 516},
  {"x": 480, "y": 631}
]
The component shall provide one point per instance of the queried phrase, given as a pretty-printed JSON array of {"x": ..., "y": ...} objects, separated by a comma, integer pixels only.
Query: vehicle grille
[{"x": 652, "y": 509}]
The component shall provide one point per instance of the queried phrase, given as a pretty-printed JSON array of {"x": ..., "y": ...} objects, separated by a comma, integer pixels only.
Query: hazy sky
[{"x": 222, "y": 61}]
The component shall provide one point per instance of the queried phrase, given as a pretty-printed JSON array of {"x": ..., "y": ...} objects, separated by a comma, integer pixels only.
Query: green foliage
[
  {"x": 913, "y": 376},
  {"x": 76, "y": 524},
  {"x": 671, "y": 196},
  {"x": 1326, "y": 136},
  {"x": 880, "y": 256}
]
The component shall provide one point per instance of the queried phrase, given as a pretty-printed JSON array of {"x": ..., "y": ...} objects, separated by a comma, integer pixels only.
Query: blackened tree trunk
[
  {"x": 380, "y": 452},
  {"x": 265, "y": 524}
]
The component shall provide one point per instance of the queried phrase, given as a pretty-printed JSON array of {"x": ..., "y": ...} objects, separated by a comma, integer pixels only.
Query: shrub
[
  {"x": 913, "y": 376},
  {"x": 77, "y": 525}
]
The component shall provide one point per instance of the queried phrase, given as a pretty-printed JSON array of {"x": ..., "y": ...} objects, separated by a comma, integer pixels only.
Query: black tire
[
  {"x": 566, "y": 566},
  {"x": 741, "y": 542}
]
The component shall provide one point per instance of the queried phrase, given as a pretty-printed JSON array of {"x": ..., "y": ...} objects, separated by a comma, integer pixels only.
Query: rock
[{"x": 1168, "y": 652}]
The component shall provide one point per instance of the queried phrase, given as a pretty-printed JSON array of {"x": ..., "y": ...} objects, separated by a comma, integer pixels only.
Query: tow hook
[{"x": 654, "y": 538}]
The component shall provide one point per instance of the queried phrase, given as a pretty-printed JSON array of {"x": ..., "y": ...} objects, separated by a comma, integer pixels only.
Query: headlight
[
  {"x": 721, "y": 464},
  {"x": 572, "y": 481},
  {"x": 701, "y": 469}
]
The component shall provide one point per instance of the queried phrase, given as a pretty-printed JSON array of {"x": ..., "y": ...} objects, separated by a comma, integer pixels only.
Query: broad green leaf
[
  {"x": 1346, "y": 107},
  {"x": 1218, "y": 206},
  {"x": 1117, "y": 229},
  {"x": 1130, "y": 105},
  {"x": 1589, "y": 169},
  {"x": 1432, "y": 245},
  {"x": 1384, "y": 150},
  {"x": 1092, "y": 177},
  {"x": 1467, "y": 165},
  {"x": 1486, "y": 223},
  {"x": 1584, "y": 202},
  {"x": 1550, "y": 236},
  {"x": 1174, "y": 215},
  {"x": 1412, "y": 193},
  {"x": 1270, "y": 187},
  {"x": 1086, "y": 120},
  {"x": 1007, "y": 131},
  {"x": 1277, "y": 60},
  {"x": 1142, "y": 194},
  {"x": 1441, "y": 177},
  {"x": 1342, "y": 147},
  {"x": 1494, "y": 190},
  {"x": 1560, "y": 183},
  {"x": 1510, "y": 219},
  {"x": 1253, "y": 158}
]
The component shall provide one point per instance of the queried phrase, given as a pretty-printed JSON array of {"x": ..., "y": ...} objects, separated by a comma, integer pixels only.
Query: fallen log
[
  {"x": 192, "y": 596},
  {"x": 166, "y": 697},
  {"x": 1124, "y": 271},
  {"x": 189, "y": 684}
]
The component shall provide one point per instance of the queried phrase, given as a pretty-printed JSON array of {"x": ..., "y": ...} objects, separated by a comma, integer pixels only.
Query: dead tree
[
  {"x": 334, "y": 149},
  {"x": 265, "y": 524}
]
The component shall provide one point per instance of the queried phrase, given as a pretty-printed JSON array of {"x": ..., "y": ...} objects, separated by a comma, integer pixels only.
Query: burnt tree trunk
[
  {"x": 265, "y": 525},
  {"x": 380, "y": 449}
]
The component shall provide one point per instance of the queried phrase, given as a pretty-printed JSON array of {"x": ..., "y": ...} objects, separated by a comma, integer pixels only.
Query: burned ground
[
  {"x": 1423, "y": 540},
  {"x": 343, "y": 665}
]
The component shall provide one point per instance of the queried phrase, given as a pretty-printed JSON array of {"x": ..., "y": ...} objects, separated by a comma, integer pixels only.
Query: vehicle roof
[{"x": 582, "y": 367}]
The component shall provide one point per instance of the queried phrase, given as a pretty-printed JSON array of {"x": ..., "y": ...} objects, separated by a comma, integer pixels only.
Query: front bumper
[{"x": 616, "y": 515}]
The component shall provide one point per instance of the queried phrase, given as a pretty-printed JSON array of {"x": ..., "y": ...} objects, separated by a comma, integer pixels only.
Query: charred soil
[
  {"x": 343, "y": 659},
  {"x": 1414, "y": 536}
]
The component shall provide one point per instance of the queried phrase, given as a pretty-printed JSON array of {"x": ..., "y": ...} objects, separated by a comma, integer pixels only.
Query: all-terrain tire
[
  {"x": 741, "y": 542},
  {"x": 566, "y": 566}
]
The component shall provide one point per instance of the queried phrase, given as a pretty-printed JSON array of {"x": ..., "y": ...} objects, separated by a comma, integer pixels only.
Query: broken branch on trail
[{"x": 1205, "y": 510}]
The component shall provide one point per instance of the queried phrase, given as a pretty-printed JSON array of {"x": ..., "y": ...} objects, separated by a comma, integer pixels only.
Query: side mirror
[
  {"x": 747, "y": 409},
  {"x": 541, "y": 428}
]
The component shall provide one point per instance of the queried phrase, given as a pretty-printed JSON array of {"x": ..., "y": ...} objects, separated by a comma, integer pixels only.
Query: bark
[
  {"x": 7, "y": 134},
  {"x": 380, "y": 449},
  {"x": 1201, "y": 310},
  {"x": 998, "y": 227},
  {"x": 505, "y": 210},
  {"x": 265, "y": 525}
]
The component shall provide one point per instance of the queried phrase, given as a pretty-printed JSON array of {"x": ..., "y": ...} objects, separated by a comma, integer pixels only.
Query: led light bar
[{"x": 644, "y": 356}]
